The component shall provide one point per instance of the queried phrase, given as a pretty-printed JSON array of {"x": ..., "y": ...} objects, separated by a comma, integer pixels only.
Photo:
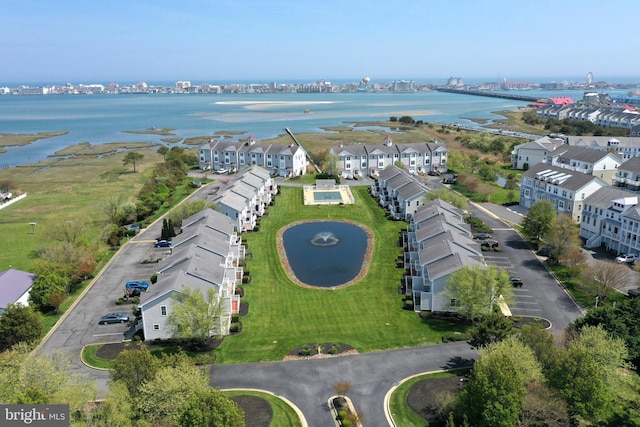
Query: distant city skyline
[{"x": 44, "y": 42}]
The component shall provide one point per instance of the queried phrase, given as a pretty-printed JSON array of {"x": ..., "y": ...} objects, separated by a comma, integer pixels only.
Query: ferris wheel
[{"x": 589, "y": 79}]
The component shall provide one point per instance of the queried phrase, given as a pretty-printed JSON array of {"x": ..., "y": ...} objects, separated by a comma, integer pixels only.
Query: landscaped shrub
[
  {"x": 154, "y": 278},
  {"x": 234, "y": 327},
  {"x": 305, "y": 350},
  {"x": 407, "y": 304},
  {"x": 335, "y": 349},
  {"x": 342, "y": 415},
  {"x": 120, "y": 301}
]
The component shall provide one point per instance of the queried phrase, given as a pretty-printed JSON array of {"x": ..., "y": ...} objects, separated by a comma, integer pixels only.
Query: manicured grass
[
  {"x": 400, "y": 411},
  {"x": 283, "y": 414},
  {"x": 367, "y": 315},
  {"x": 90, "y": 358}
]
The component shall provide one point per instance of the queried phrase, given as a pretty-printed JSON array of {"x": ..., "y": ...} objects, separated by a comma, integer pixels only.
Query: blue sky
[{"x": 302, "y": 41}]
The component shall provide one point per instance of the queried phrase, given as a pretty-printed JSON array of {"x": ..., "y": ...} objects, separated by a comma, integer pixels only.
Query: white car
[{"x": 626, "y": 258}]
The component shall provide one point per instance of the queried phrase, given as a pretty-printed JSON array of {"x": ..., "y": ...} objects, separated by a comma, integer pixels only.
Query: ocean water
[{"x": 103, "y": 118}]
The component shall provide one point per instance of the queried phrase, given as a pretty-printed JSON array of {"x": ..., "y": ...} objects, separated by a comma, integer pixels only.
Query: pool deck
[{"x": 311, "y": 195}]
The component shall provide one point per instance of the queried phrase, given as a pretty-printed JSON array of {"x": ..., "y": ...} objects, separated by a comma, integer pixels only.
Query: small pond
[{"x": 325, "y": 254}]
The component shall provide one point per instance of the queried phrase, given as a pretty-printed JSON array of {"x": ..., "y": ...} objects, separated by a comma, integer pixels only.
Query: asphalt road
[{"x": 308, "y": 384}]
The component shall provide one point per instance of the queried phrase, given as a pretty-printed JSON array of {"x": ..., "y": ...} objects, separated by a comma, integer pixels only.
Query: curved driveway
[{"x": 308, "y": 384}]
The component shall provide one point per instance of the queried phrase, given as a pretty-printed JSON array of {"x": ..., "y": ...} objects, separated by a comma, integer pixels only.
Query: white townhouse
[
  {"x": 204, "y": 257},
  {"x": 524, "y": 156},
  {"x": 610, "y": 219},
  {"x": 277, "y": 159},
  {"x": 566, "y": 189},
  {"x": 628, "y": 175},
  {"x": 437, "y": 243},
  {"x": 416, "y": 158},
  {"x": 602, "y": 164},
  {"x": 624, "y": 147},
  {"x": 245, "y": 197},
  {"x": 398, "y": 191}
]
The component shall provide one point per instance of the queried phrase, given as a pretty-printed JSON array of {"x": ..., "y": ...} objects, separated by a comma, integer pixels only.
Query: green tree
[
  {"x": 590, "y": 370},
  {"x": 132, "y": 157},
  {"x": 448, "y": 196},
  {"x": 211, "y": 408},
  {"x": 538, "y": 220},
  {"x": 194, "y": 316},
  {"x": 164, "y": 397},
  {"x": 491, "y": 328},
  {"x": 621, "y": 321},
  {"x": 134, "y": 367},
  {"x": 163, "y": 150},
  {"x": 19, "y": 323},
  {"x": 455, "y": 160},
  {"x": 111, "y": 205},
  {"x": 187, "y": 209},
  {"x": 68, "y": 230},
  {"x": 117, "y": 409},
  {"x": 541, "y": 342},
  {"x": 495, "y": 393},
  {"x": 331, "y": 164},
  {"x": 49, "y": 377},
  {"x": 476, "y": 289},
  {"x": 44, "y": 288},
  {"x": 563, "y": 235}
]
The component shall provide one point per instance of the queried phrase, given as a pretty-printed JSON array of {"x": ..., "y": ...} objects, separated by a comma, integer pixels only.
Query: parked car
[
  {"x": 162, "y": 244},
  {"x": 489, "y": 243},
  {"x": 136, "y": 284},
  {"x": 113, "y": 318},
  {"x": 482, "y": 236},
  {"x": 544, "y": 251},
  {"x": 516, "y": 281},
  {"x": 626, "y": 258}
]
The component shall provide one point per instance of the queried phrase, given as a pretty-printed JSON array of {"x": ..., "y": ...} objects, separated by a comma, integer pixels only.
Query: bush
[
  {"x": 120, "y": 301},
  {"x": 342, "y": 415},
  {"x": 235, "y": 327},
  {"x": 305, "y": 350},
  {"x": 154, "y": 278}
]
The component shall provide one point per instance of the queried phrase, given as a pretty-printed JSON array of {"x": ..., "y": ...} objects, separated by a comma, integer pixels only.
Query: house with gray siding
[
  {"x": 370, "y": 159},
  {"x": 567, "y": 189},
  {"x": 399, "y": 192},
  {"x": 437, "y": 243}
]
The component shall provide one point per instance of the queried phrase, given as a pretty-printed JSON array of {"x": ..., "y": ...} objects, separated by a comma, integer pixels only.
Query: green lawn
[
  {"x": 367, "y": 315},
  {"x": 283, "y": 413}
]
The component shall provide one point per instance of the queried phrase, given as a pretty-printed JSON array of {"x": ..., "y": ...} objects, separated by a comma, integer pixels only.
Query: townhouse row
[
  {"x": 208, "y": 253},
  {"x": 399, "y": 192},
  {"x": 437, "y": 243},
  {"x": 244, "y": 197},
  {"x": 277, "y": 159},
  {"x": 370, "y": 159},
  {"x": 601, "y": 115},
  {"x": 206, "y": 256}
]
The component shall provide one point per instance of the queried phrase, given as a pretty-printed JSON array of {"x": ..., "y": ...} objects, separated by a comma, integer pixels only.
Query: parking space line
[{"x": 105, "y": 335}]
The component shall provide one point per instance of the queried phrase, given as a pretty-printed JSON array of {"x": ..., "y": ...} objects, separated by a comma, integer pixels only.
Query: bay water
[{"x": 104, "y": 118}]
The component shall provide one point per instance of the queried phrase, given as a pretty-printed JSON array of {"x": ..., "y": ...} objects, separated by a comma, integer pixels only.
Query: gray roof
[
  {"x": 575, "y": 181},
  {"x": 583, "y": 154},
  {"x": 604, "y": 196},
  {"x": 603, "y": 141},
  {"x": 214, "y": 219},
  {"x": 631, "y": 165},
  {"x": 412, "y": 190},
  {"x": 444, "y": 257}
]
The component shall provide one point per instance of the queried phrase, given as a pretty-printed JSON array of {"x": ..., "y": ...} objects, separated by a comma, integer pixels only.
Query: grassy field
[
  {"x": 61, "y": 190},
  {"x": 367, "y": 315}
]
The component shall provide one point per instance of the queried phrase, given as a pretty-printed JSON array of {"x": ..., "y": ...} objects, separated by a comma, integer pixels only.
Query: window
[
  {"x": 156, "y": 327},
  {"x": 163, "y": 310}
]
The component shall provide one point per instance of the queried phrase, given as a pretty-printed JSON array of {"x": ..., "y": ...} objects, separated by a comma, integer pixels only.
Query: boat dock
[{"x": 490, "y": 94}]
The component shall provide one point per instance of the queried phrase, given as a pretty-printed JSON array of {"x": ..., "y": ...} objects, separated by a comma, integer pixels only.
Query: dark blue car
[
  {"x": 137, "y": 284},
  {"x": 163, "y": 244}
]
